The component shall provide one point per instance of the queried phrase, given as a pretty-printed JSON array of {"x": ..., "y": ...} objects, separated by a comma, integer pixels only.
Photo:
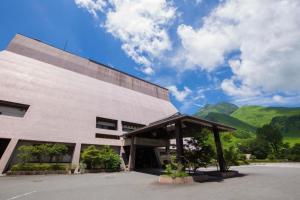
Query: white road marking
[{"x": 21, "y": 195}]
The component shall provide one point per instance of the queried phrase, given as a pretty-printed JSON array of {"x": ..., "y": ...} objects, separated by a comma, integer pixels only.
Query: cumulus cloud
[
  {"x": 266, "y": 33},
  {"x": 92, "y": 6},
  {"x": 141, "y": 26},
  {"x": 179, "y": 95}
]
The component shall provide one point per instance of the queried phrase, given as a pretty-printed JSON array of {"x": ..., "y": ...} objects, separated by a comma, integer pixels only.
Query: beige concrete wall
[
  {"x": 40, "y": 51},
  {"x": 64, "y": 104}
]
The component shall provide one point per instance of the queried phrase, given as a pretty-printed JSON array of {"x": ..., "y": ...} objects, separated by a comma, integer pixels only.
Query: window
[
  {"x": 107, "y": 136},
  {"x": 128, "y": 126},
  {"x": 104, "y": 123},
  {"x": 13, "y": 109}
]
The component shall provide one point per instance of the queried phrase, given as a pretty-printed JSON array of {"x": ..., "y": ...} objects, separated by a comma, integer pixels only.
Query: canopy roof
[{"x": 163, "y": 128}]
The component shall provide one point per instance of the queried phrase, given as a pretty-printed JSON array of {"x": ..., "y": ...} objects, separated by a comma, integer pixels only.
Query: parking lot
[{"x": 272, "y": 181}]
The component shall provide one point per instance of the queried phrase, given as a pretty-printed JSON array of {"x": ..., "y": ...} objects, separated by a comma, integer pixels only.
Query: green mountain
[
  {"x": 223, "y": 107},
  {"x": 258, "y": 116},
  {"x": 231, "y": 121},
  {"x": 288, "y": 125}
]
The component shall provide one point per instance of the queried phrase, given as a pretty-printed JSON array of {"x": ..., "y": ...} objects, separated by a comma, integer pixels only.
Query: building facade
[{"x": 50, "y": 95}]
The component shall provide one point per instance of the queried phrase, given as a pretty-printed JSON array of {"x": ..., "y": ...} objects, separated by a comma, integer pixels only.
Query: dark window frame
[
  {"x": 21, "y": 107},
  {"x": 125, "y": 123},
  {"x": 106, "y": 120},
  {"x": 107, "y": 136}
]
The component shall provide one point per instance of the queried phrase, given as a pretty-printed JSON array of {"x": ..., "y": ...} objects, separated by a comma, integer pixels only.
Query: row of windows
[{"x": 112, "y": 124}]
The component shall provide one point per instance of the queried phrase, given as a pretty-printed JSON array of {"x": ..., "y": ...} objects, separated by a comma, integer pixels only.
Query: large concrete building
[{"x": 50, "y": 95}]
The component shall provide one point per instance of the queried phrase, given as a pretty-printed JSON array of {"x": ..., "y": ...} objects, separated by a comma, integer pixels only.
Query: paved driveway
[{"x": 272, "y": 182}]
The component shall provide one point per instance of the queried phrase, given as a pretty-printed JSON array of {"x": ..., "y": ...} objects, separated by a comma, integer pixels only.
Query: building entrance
[{"x": 145, "y": 158}]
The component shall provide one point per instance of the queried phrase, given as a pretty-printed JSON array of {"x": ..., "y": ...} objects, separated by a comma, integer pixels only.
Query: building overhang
[{"x": 163, "y": 129}]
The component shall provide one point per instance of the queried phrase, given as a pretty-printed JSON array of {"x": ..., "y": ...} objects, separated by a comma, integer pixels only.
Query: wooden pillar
[
  {"x": 131, "y": 163},
  {"x": 221, "y": 159},
  {"x": 179, "y": 142}
]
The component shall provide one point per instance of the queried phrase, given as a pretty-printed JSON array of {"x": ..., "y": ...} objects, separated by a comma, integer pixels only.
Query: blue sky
[{"x": 242, "y": 51}]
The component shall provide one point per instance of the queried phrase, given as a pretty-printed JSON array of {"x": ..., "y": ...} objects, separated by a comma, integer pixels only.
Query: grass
[
  {"x": 234, "y": 140},
  {"x": 230, "y": 121},
  {"x": 258, "y": 116},
  {"x": 291, "y": 140}
]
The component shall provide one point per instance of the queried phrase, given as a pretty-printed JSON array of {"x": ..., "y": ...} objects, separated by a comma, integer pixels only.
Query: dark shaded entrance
[
  {"x": 3, "y": 145},
  {"x": 145, "y": 158}
]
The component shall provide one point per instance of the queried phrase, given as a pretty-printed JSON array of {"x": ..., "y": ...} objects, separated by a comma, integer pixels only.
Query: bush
[
  {"x": 242, "y": 134},
  {"x": 29, "y": 153},
  {"x": 175, "y": 170},
  {"x": 37, "y": 167},
  {"x": 294, "y": 153},
  {"x": 231, "y": 157},
  {"x": 105, "y": 158},
  {"x": 109, "y": 159}
]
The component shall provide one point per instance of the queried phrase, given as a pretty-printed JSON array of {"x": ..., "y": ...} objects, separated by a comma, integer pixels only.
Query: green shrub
[
  {"x": 105, "y": 158},
  {"x": 26, "y": 153},
  {"x": 294, "y": 153},
  {"x": 231, "y": 157},
  {"x": 37, "y": 167},
  {"x": 29, "y": 153},
  {"x": 175, "y": 169}
]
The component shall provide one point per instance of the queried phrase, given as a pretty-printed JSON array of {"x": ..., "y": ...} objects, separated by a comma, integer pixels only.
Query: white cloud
[
  {"x": 147, "y": 70},
  {"x": 179, "y": 95},
  {"x": 141, "y": 26},
  {"x": 278, "y": 98},
  {"x": 267, "y": 35},
  {"x": 92, "y": 6}
]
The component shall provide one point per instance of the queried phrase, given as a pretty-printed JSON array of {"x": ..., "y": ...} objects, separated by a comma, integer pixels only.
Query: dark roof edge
[{"x": 176, "y": 118}]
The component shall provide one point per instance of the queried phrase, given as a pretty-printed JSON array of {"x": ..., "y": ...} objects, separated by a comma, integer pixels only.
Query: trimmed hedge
[{"x": 38, "y": 167}]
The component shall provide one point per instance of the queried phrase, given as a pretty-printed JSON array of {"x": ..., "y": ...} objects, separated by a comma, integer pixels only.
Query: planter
[
  {"x": 15, "y": 173},
  {"x": 178, "y": 180},
  {"x": 227, "y": 174}
]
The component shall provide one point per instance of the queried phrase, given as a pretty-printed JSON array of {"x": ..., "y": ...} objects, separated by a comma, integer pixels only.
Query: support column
[
  {"x": 131, "y": 164},
  {"x": 179, "y": 142},
  {"x": 221, "y": 159},
  {"x": 123, "y": 158},
  {"x": 76, "y": 156},
  {"x": 7, "y": 154}
]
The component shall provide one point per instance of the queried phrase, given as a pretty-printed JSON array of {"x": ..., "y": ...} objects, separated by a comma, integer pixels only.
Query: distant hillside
[
  {"x": 288, "y": 125},
  {"x": 231, "y": 121},
  {"x": 258, "y": 115},
  {"x": 223, "y": 107}
]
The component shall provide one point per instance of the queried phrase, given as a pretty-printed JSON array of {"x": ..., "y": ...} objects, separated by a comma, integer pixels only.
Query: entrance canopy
[
  {"x": 177, "y": 127},
  {"x": 164, "y": 128}
]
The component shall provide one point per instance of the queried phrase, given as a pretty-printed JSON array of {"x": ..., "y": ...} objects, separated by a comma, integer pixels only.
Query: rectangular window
[
  {"x": 128, "y": 126},
  {"x": 104, "y": 123},
  {"x": 13, "y": 109},
  {"x": 107, "y": 136}
]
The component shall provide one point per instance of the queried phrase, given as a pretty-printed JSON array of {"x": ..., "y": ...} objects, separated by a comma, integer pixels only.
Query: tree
[
  {"x": 57, "y": 150},
  {"x": 294, "y": 153},
  {"x": 105, "y": 158},
  {"x": 270, "y": 135},
  {"x": 41, "y": 151},
  {"x": 260, "y": 149},
  {"x": 198, "y": 151},
  {"x": 91, "y": 156},
  {"x": 26, "y": 153},
  {"x": 109, "y": 159}
]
